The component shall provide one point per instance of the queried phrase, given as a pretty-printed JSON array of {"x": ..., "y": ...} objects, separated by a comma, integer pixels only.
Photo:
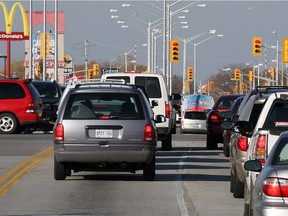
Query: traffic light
[
  {"x": 257, "y": 46},
  {"x": 174, "y": 51},
  {"x": 251, "y": 76},
  {"x": 206, "y": 88},
  {"x": 237, "y": 74},
  {"x": 190, "y": 74},
  {"x": 96, "y": 70},
  {"x": 285, "y": 50},
  {"x": 272, "y": 72},
  {"x": 242, "y": 86},
  {"x": 90, "y": 74},
  {"x": 211, "y": 86}
]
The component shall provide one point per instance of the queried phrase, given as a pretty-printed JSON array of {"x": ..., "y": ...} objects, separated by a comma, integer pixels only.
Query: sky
[{"x": 238, "y": 21}]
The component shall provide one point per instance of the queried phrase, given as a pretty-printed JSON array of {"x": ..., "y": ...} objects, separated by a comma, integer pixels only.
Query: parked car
[
  {"x": 105, "y": 125},
  {"x": 20, "y": 105},
  {"x": 50, "y": 92},
  {"x": 271, "y": 122},
  {"x": 156, "y": 89},
  {"x": 230, "y": 116},
  {"x": 214, "y": 120},
  {"x": 193, "y": 122},
  {"x": 269, "y": 193}
]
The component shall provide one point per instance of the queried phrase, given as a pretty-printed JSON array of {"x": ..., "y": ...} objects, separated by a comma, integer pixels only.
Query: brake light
[
  {"x": 30, "y": 108},
  {"x": 59, "y": 132},
  {"x": 105, "y": 117},
  {"x": 275, "y": 187},
  {"x": 242, "y": 143},
  {"x": 214, "y": 117},
  {"x": 260, "y": 151},
  {"x": 148, "y": 133},
  {"x": 167, "y": 110}
]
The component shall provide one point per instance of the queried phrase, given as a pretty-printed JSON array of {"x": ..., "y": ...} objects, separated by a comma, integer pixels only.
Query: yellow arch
[{"x": 9, "y": 17}]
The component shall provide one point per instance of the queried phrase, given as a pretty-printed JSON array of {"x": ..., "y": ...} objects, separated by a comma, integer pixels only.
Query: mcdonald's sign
[{"x": 9, "y": 17}]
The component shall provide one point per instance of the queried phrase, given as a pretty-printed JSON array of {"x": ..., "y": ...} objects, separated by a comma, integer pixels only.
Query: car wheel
[
  {"x": 167, "y": 143},
  {"x": 226, "y": 150},
  {"x": 210, "y": 143},
  {"x": 231, "y": 181},
  {"x": 59, "y": 171},
  {"x": 149, "y": 170},
  {"x": 238, "y": 187},
  {"x": 8, "y": 123}
]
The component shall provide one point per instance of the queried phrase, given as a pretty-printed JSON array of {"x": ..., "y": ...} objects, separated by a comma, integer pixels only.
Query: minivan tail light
[
  {"x": 59, "y": 132},
  {"x": 276, "y": 187},
  {"x": 242, "y": 143},
  {"x": 167, "y": 110},
  {"x": 30, "y": 108},
  {"x": 148, "y": 133},
  {"x": 260, "y": 150}
]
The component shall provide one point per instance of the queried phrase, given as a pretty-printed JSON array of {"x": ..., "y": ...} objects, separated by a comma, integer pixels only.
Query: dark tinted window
[
  {"x": 104, "y": 106},
  {"x": 278, "y": 116},
  {"x": 47, "y": 90},
  {"x": 195, "y": 115},
  {"x": 225, "y": 102},
  {"x": 33, "y": 91},
  {"x": 11, "y": 91},
  {"x": 151, "y": 85},
  {"x": 257, "y": 108}
]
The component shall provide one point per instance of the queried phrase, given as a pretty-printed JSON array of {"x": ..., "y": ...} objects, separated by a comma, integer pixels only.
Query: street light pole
[
  {"x": 195, "y": 66},
  {"x": 277, "y": 58}
]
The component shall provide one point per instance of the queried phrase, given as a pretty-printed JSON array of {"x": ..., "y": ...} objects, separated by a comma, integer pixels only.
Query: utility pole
[{"x": 86, "y": 57}]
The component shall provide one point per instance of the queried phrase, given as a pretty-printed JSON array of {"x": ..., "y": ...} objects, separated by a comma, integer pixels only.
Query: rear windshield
[
  {"x": 11, "y": 91},
  {"x": 277, "y": 118},
  {"x": 225, "y": 102},
  {"x": 151, "y": 85},
  {"x": 195, "y": 115},
  {"x": 47, "y": 90},
  {"x": 104, "y": 106}
]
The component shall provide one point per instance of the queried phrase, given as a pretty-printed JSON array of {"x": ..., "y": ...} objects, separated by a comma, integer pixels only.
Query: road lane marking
[{"x": 23, "y": 168}]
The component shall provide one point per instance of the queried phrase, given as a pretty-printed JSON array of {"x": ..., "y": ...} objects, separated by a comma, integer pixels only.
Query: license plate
[{"x": 104, "y": 133}]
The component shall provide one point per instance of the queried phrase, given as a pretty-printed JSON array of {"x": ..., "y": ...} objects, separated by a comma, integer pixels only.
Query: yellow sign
[{"x": 10, "y": 16}]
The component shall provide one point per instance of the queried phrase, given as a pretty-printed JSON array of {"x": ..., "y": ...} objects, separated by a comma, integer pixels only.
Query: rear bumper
[
  {"x": 130, "y": 154},
  {"x": 278, "y": 209}
]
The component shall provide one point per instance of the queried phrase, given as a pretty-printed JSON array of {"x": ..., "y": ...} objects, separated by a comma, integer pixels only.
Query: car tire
[
  {"x": 238, "y": 187},
  {"x": 231, "y": 181},
  {"x": 8, "y": 123},
  {"x": 226, "y": 150},
  {"x": 59, "y": 171},
  {"x": 149, "y": 170},
  {"x": 210, "y": 143},
  {"x": 167, "y": 143}
]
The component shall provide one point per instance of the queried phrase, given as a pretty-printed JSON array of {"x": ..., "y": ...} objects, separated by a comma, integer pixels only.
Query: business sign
[
  {"x": 109, "y": 70},
  {"x": 38, "y": 45},
  {"x": 9, "y": 35}
]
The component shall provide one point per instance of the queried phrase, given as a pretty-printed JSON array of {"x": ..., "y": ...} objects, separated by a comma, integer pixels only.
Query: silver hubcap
[{"x": 6, "y": 124}]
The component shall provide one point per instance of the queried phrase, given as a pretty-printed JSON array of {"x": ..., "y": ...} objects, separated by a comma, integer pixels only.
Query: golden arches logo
[{"x": 9, "y": 17}]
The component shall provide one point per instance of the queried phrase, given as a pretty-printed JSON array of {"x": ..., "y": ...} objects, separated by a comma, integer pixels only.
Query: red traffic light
[
  {"x": 175, "y": 44},
  {"x": 257, "y": 41}
]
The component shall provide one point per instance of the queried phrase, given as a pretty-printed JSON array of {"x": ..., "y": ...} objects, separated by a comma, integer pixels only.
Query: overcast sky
[{"x": 238, "y": 21}]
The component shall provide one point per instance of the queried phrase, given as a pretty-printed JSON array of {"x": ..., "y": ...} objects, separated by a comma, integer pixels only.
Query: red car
[
  {"x": 214, "y": 120},
  {"x": 20, "y": 105}
]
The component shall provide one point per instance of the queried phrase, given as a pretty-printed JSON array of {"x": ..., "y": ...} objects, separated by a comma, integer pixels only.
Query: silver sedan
[{"x": 269, "y": 194}]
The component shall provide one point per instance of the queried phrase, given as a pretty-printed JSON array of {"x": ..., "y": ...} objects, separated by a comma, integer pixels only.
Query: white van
[{"x": 156, "y": 89}]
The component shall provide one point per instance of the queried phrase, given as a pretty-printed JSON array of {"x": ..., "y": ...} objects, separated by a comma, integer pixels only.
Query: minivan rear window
[
  {"x": 106, "y": 106},
  {"x": 151, "y": 85},
  {"x": 195, "y": 115},
  {"x": 11, "y": 91}
]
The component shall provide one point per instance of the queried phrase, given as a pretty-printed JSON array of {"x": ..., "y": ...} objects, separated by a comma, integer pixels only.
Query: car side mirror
[
  {"x": 160, "y": 119},
  {"x": 154, "y": 103},
  {"x": 253, "y": 165}
]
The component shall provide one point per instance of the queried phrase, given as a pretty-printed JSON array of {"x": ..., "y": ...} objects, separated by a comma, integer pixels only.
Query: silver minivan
[
  {"x": 104, "y": 126},
  {"x": 193, "y": 122}
]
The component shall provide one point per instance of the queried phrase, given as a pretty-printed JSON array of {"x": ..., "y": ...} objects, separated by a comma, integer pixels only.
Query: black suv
[{"x": 50, "y": 92}]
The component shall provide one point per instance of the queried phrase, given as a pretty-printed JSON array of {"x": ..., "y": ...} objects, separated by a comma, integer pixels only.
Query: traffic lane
[
  {"x": 189, "y": 181},
  {"x": 14, "y": 149}
]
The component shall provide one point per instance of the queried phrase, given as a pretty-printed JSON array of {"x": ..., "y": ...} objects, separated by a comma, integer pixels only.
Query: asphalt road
[{"x": 190, "y": 180}]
